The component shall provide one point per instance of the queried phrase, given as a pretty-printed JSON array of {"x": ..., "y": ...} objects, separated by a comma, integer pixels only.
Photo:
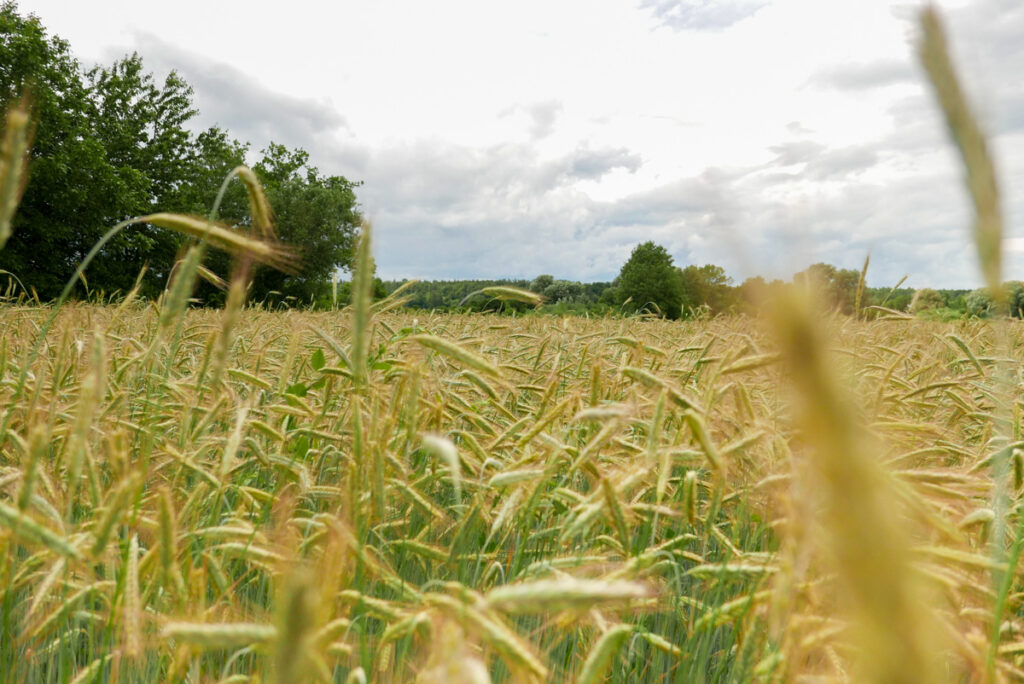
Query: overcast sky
[{"x": 509, "y": 139}]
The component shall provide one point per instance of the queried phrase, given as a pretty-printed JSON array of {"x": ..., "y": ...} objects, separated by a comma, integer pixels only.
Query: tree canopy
[
  {"x": 706, "y": 286},
  {"x": 113, "y": 142},
  {"x": 650, "y": 281}
]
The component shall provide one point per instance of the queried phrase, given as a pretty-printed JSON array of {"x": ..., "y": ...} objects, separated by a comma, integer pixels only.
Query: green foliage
[
  {"x": 314, "y": 213},
  {"x": 541, "y": 283},
  {"x": 926, "y": 299},
  {"x": 707, "y": 287},
  {"x": 1015, "y": 298},
  {"x": 649, "y": 281},
  {"x": 898, "y": 299},
  {"x": 562, "y": 290},
  {"x": 74, "y": 191},
  {"x": 380, "y": 291},
  {"x": 837, "y": 285},
  {"x": 979, "y": 302},
  {"x": 563, "y": 297},
  {"x": 448, "y": 295}
]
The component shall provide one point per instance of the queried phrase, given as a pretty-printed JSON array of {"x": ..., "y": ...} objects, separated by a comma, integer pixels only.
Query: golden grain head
[{"x": 225, "y": 237}]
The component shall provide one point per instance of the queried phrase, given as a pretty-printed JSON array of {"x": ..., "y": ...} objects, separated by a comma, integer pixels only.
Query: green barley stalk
[
  {"x": 362, "y": 299},
  {"x": 599, "y": 660}
]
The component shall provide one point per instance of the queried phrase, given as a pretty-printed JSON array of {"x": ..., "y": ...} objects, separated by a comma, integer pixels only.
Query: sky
[{"x": 510, "y": 139}]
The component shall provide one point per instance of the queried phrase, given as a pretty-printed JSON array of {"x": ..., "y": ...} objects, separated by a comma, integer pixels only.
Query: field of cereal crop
[{"x": 520, "y": 499}]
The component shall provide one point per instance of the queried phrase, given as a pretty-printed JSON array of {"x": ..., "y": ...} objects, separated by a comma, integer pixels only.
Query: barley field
[{"x": 474, "y": 498}]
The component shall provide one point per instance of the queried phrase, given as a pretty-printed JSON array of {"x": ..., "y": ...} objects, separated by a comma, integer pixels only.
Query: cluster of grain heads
[
  {"x": 468, "y": 486},
  {"x": 504, "y": 293},
  {"x": 454, "y": 658},
  {"x": 599, "y": 660}
]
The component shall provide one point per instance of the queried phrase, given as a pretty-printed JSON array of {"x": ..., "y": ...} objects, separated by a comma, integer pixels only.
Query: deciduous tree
[{"x": 649, "y": 281}]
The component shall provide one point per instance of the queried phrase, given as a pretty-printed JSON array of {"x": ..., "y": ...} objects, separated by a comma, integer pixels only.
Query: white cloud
[{"x": 701, "y": 15}]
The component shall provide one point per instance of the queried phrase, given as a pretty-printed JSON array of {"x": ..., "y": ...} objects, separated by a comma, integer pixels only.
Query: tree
[
  {"x": 73, "y": 193},
  {"x": 142, "y": 128},
  {"x": 926, "y": 299},
  {"x": 1015, "y": 298},
  {"x": 979, "y": 302},
  {"x": 708, "y": 286},
  {"x": 649, "y": 281},
  {"x": 838, "y": 287},
  {"x": 315, "y": 214},
  {"x": 541, "y": 283},
  {"x": 560, "y": 290}
]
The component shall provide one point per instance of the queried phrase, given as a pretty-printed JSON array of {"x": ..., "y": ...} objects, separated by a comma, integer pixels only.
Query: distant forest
[
  {"x": 650, "y": 282},
  {"x": 591, "y": 299}
]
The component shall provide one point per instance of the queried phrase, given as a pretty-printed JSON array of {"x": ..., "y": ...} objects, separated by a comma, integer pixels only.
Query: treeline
[
  {"x": 561, "y": 296},
  {"x": 650, "y": 282},
  {"x": 112, "y": 142}
]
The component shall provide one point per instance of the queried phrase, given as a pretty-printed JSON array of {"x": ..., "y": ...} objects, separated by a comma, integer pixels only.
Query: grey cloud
[
  {"x": 856, "y": 77},
  {"x": 701, "y": 15},
  {"x": 444, "y": 210},
  {"x": 591, "y": 164},
  {"x": 681, "y": 199},
  {"x": 765, "y": 220},
  {"x": 840, "y": 163},
  {"x": 237, "y": 102},
  {"x": 796, "y": 152},
  {"x": 822, "y": 163},
  {"x": 441, "y": 176},
  {"x": 797, "y": 128},
  {"x": 544, "y": 115}
]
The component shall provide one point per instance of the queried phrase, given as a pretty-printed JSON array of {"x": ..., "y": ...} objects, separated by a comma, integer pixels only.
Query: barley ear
[
  {"x": 13, "y": 164},
  {"x": 859, "y": 300},
  {"x": 132, "y": 606},
  {"x": 970, "y": 140},
  {"x": 293, "y": 662},
  {"x": 259, "y": 206},
  {"x": 362, "y": 296},
  {"x": 866, "y": 538}
]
